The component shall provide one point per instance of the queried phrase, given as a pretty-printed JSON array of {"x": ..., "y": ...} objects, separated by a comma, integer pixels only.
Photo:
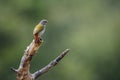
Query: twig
[
  {"x": 13, "y": 69},
  {"x": 50, "y": 65}
]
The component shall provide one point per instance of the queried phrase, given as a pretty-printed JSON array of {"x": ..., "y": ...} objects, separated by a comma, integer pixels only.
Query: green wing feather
[{"x": 38, "y": 28}]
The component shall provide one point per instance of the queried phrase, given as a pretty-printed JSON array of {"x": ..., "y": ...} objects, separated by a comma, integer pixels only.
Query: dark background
[{"x": 90, "y": 28}]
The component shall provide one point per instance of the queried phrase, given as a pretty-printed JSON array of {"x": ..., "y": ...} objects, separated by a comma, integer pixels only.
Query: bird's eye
[{"x": 44, "y": 22}]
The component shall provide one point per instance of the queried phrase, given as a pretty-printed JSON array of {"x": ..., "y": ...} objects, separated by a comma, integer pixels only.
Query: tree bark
[{"x": 23, "y": 72}]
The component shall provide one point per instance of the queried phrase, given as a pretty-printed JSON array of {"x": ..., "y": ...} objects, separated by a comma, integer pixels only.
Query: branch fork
[{"x": 23, "y": 72}]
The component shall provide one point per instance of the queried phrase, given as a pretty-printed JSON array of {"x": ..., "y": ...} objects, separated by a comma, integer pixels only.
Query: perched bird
[{"x": 39, "y": 30}]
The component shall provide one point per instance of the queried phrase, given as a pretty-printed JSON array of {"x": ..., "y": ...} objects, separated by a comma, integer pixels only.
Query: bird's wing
[{"x": 38, "y": 29}]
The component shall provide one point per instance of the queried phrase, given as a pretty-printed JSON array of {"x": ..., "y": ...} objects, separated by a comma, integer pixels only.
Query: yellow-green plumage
[{"x": 38, "y": 28}]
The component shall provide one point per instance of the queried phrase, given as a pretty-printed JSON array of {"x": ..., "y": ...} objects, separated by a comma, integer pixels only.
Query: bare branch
[
  {"x": 13, "y": 69},
  {"x": 50, "y": 65},
  {"x": 23, "y": 70}
]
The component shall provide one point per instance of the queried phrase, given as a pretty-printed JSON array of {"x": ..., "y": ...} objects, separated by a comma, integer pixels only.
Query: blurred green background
[{"x": 90, "y": 28}]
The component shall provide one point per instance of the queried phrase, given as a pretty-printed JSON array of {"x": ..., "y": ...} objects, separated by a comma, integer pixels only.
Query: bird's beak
[{"x": 46, "y": 21}]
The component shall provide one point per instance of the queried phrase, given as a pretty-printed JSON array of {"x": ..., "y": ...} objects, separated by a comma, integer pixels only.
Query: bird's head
[{"x": 43, "y": 22}]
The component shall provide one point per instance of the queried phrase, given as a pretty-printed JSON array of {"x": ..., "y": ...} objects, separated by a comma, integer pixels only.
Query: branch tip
[
  {"x": 50, "y": 65},
  {"x": 66, "y": 51},
  {"x": 14, "y": 70},
  {"x": 62, "y": 55}
]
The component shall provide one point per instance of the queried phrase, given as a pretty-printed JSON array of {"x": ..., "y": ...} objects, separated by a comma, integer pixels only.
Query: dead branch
[
  {"x": 50, "y": 65},
  {"x": 23, "y": 72}
]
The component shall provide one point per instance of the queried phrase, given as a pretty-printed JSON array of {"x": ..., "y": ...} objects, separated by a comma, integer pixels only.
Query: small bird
[{"x": 39, "y": 30}]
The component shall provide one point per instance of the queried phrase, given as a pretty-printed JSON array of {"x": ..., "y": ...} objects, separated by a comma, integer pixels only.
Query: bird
[{"x": 39, "y": 30}]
